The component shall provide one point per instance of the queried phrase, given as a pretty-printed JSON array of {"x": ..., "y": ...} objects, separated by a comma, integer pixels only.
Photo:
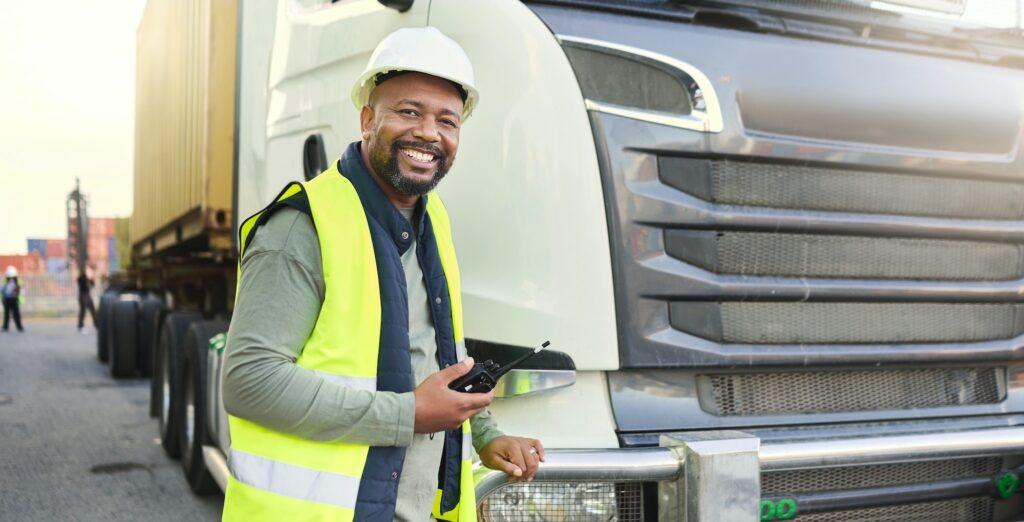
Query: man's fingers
[
  {"x": 508, "y": 468},
  {"x": 532, "y": 460},
  {"x": 457, "y": 370},
  {"x": 515, "y": 455},
  {"x": 474, "y": 401},
  {"x": 540, "y": 448}
]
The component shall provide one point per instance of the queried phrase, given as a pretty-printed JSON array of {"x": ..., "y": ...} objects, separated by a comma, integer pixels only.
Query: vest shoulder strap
[{"x": 293, "y": 196}]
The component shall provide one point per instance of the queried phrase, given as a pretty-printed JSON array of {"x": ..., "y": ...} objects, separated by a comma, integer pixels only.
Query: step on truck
[{"x": 777, "y": 245}]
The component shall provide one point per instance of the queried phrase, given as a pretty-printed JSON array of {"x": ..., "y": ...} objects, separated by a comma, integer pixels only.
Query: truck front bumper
[{"x": 716, "y": 475}]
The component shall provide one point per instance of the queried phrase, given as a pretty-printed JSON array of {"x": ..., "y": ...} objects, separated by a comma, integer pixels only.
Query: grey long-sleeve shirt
[{"x": 279, "y": 299}]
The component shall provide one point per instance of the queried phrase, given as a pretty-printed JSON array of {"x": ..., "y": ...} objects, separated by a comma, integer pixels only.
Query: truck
[{"x": 777, "y": 245}]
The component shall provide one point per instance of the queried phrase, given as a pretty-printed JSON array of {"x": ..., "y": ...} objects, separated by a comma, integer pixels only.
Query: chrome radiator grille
[
  {"x": 753, "y": 263},
  {"x": 839, "y": 391}
]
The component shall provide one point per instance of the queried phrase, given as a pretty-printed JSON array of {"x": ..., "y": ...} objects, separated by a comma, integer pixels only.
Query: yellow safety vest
[{"x": 277, "y": 476}]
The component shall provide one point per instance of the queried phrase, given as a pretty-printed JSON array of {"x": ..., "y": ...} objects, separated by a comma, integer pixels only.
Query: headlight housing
[{"x": 563, "y": 501}]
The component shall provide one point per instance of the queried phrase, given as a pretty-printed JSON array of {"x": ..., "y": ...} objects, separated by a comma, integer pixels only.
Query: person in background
[
  {"x": 11, "y": 293},
  {"x": 85, "y": 284}
]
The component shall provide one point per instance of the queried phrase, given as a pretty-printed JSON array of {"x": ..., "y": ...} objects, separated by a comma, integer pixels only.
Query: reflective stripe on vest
[
  {"x": 465, "y": 511},
  {"x": 294, "y": 481},
  {"x": 356, "y": 383},
  {"x": 276, "y": 476}
]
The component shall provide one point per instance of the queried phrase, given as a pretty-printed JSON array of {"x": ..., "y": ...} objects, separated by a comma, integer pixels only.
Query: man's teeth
[{"x": 418, "y": 156}]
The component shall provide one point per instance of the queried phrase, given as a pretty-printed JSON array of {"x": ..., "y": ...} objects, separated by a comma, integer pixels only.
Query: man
[
  {"x": 85, "y": 284},
  {"x": 11, "y": 291},
  {"x": 348, "y": 319}
]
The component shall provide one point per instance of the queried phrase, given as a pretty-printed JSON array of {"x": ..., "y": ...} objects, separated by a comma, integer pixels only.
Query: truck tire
[
  {"x": 125, "y": 336},
  {"x": 103, "y": 319},
  {"x": 194, "y": 431},
  {"x": 168, "y": 367},
  {"x": 149, "y": 325}
]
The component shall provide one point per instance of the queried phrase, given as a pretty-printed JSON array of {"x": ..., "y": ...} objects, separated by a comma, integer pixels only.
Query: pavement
[{"x": 77, "y": 445}]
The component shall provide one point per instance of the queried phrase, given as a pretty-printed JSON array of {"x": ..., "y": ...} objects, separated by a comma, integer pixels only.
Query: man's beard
[{"x": 386, "y": 166}]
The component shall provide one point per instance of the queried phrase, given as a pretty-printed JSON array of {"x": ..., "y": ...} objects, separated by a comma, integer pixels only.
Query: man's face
[{"x": 411, "y": 129}]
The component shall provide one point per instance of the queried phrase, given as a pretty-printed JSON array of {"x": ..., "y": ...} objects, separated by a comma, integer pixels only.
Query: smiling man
[
  {"x": 409, "y": 144},
  {"x": 347, "y": 328}
]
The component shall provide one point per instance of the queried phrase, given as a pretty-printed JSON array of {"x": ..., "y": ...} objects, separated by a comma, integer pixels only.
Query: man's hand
[
  {"x": 439, "y": 408},
  {"x": 518, "y": 457}
]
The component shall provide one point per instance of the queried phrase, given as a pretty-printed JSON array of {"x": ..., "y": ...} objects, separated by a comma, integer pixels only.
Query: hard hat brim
[{"x": 365, "y": 85}]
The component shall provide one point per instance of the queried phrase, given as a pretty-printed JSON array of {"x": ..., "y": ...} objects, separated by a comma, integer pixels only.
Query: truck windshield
[
  {"x": 972, "y": 28},
  {"x": 964, "y": 14}
]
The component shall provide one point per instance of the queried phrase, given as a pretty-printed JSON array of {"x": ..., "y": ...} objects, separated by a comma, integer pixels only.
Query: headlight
[{"x": 560, "y": 501}]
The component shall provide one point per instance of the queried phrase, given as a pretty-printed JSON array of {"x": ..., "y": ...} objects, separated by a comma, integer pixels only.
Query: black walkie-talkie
[{"x": 484, "y": 376}]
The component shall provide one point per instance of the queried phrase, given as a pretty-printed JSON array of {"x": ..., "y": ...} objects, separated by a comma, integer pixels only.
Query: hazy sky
[{"x": 67, "y": 87}]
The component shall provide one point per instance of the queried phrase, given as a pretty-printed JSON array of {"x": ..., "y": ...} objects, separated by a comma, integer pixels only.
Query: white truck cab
[{"x": 776, "y": 245}]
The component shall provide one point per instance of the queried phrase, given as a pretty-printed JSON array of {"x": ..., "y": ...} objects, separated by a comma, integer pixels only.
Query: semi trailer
[{"x": 777, "y": 245}]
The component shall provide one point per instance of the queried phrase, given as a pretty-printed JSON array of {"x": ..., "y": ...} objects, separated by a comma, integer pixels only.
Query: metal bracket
[{"x": 721, "y": 479}]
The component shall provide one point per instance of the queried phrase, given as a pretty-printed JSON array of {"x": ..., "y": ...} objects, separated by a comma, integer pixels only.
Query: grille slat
[
  {"x": 841, "y": 190},
  {"x": 845, "y": 391},
  {"x": 961, "y": 510},
  {"x": 833, "y": 323},
  {"x": 798, "y": 255},
  {"x": 792, "y": 482}
]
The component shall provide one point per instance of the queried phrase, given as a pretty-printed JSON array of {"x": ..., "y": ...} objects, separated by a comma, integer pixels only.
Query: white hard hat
[
  {"x": 12, "y": 272},
  {"x": 418, "y": 49}
]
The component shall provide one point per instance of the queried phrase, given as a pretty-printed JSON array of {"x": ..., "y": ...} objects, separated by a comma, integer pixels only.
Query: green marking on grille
[
  {"x": 218, "y": 341},
  {"x": 785, "y": 509},
  {"x": 782, "y": 509},
  {"x": 1007, "y": 484}
]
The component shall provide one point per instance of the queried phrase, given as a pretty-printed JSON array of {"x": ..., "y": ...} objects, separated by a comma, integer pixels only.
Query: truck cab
[{"x": 776, "y": 245}]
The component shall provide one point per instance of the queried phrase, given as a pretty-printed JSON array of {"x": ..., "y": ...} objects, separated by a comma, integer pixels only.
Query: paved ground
[{"x": 77, "y": 445}]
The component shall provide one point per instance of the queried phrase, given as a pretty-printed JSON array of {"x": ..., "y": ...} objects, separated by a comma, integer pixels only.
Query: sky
[{"x": 67, "y": 101}]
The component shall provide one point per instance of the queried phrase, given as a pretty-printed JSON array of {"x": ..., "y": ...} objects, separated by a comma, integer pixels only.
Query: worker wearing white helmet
[
  {"x": 347, "y": 328},
  {"x": 11, "y": 293}
]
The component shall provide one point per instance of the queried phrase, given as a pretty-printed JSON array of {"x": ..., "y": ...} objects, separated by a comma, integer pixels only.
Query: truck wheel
[
  {"x": 193, "y": 430},
  {"x": 168, "y": 366},
  {"x": 125, "y": 346},
  {"x": 149, "y": 324},
  {"x": 103, "y": 319}
]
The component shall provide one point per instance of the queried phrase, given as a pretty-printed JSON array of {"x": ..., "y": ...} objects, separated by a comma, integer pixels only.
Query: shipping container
[
  {"x": 101, "y": 227},
  {"x": 98, "y": 247},
  {"x": 56, "y": 248},
  {"x": 184, "y": 127},
  {"x": 56, "y": 265},
  {"x": 38, "y": 246},
  {"x": 31, "y": 263}
]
